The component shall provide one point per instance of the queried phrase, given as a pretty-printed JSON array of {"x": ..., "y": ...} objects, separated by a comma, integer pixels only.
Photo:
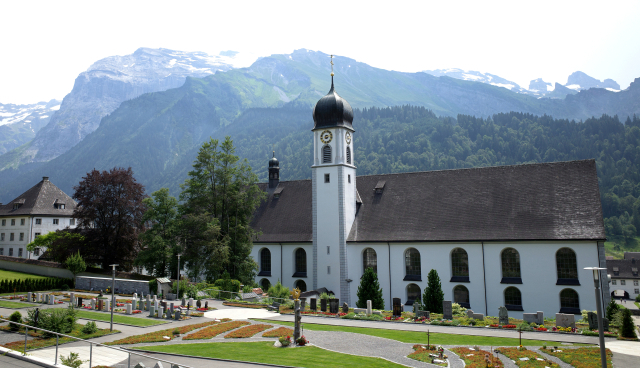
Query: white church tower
[{"x": 334, "y": 192}]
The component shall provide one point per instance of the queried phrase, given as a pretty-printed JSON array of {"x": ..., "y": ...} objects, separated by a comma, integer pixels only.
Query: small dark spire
[{"x": 274, "y": 171}]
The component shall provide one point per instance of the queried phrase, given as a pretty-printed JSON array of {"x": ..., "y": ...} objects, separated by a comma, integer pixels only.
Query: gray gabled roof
[
  {"x": 623, "y": 269},
  {"x": 40, "y": 200},
  {"x": 548, "y": 201}
]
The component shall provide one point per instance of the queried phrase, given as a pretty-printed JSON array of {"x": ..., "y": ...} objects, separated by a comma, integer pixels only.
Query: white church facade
[{"x": 515, "y": 236}]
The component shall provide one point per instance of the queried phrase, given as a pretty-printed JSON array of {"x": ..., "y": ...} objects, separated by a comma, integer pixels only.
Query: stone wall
[{"x": 123, "y": 286}]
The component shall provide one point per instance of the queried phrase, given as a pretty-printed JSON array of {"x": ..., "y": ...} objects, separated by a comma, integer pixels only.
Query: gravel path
[{"x": 7, "y": 337}]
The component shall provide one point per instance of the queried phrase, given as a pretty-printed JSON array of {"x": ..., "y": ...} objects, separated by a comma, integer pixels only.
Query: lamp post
[
  {"x": 113, "y": 298},
  {"x": 178, "y": 290},
  {"x": 596, "y": 282}
]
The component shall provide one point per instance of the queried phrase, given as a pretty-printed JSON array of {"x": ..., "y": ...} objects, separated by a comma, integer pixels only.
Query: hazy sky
[{"x": 46, "y": 44}]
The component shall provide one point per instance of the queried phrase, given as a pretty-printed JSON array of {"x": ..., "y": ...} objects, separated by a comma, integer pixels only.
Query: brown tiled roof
[
  {"x": 625, "y": 269},
  {"x": 40, "y": 200},
  {"x": 549, "y": 201}
]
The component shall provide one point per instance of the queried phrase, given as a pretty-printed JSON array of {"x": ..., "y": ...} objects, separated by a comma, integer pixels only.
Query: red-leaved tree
[{"x": 110, "y": 214}]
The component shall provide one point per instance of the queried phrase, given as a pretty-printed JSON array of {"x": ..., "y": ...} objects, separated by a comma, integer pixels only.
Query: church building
[{"x": 515, "y": 236}]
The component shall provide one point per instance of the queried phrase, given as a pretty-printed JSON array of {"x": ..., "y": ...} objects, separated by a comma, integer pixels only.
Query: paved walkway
[{"x": 9, "y": 362}]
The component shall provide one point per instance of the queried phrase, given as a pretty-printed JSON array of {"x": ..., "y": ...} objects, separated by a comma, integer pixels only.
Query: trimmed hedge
[{"x": 8, "y": 286}]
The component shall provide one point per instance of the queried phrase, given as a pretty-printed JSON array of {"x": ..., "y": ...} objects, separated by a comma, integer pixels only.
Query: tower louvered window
[
  {"x": 349, "y": 155},
  {"x": 326, "y": 154}
]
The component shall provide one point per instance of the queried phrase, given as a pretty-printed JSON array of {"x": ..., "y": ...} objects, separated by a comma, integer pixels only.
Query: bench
[{"x": 274, "y": 307}]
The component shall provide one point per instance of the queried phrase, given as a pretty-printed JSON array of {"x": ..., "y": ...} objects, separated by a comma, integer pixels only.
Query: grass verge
[
  {"x": 106, "y": 317},
  {"x": 581, "y": 357},
  {"x": 8, "y": 304},
  {"x": 416, "y": 337},
  {"x": 39, "y": 342},
  {"x": 265, "y": 352},
  {"x": 158, "y": 336},
  {"x": 12, "y": 275}
]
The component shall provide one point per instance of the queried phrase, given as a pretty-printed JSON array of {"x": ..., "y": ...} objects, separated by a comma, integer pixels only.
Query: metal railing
[
  {"x": 215, "y": 294},
  {"x": 129, "y": 353}
]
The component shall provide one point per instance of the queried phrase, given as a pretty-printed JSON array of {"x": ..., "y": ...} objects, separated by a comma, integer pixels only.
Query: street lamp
[
  {"x": 113, "y": 298},
  {"x": 178, "y": 290},
  {"x": 596, "y": 282}
]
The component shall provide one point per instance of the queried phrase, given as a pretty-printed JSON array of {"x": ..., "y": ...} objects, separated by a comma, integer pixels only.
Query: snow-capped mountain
[
  {"x": 20, "y": 123},
  {"x": 579, "y": 81},
  {"x": 108, "y": 82},
  {"x": 475, "y": 76}
]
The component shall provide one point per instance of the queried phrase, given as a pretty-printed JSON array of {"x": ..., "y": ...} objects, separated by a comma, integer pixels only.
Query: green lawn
[
  {"x": 416, "y": 337},
  {"x": 106, "y": 317},
  {"x": 265, "y": 352},
  {"x": 12, "y": 275},
  {"x": 637, "y": 304},
  {"x": 8, "y": 304}
]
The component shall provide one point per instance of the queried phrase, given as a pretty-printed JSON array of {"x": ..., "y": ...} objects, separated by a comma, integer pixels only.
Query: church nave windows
[
  {"x": 413, "y": 294},
  {"x": 369, "y": 259},
  {"x": 265, "y": 262},
  {"x": 510, "y": 266},
  {"x": 513, "y": 299},
  {"x": 461, "y": 296},
  {"x": 569, "y": 302},
  {"x": 459, "y": 265},
  {"x": 567, "y": 267},
  {"x": 300, "y": 263},
  {"x": 412, "y": 265}
]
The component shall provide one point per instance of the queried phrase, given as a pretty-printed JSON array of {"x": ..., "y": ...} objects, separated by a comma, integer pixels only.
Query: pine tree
[
  {"x": 627, "y": 329},
  {"x": 370, "y": 289},
  {"x": 433, "y": 295},
  {"x": 612, "y": 309}
]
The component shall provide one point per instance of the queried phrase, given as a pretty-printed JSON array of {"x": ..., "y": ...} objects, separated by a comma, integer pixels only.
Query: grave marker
[{"x": 447, "y": 312}]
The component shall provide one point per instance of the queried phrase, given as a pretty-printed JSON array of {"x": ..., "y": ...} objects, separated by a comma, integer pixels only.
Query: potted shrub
[
  {"x": 285, "y": 341},
  {"x": 302, "y": 341}
]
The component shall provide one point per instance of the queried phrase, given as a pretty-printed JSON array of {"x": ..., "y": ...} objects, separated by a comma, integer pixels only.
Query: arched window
[
  {"x": 461, "y": 296},
  {"x": 265, "y": 262},
  {"x": 300, "y": 284},
  {"x": 349, "y": 155},
  {"x": 569, "y": 302},
  {"x": 512, "y": 299},
  {"x": 459, "y": 265},
  {"x": 413, "y": 294},
  {"x": 412, "y": 265},
  {"x": 567, "y": 267},
  {"x": 301, "y": 263},
  {"x": 369, "y": 259},
  {"x": 511, "y": 266},
  {"x": 265, "y": 284},
  {"x": 326, "y": 154}
]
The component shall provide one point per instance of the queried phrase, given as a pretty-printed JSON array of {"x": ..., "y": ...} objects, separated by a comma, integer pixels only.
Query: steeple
[{"x": 274, "y": 171}]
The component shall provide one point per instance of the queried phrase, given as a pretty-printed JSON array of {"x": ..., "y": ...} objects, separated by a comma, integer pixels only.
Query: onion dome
[
  {"x": 332, "y": 111},
  {"x": 273, "y": 162}
]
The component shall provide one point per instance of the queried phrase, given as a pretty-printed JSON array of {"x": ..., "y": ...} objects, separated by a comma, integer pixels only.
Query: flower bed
[
  {"x": 248, "y": 331},
  {"x": 526, "y": 358},
  {"x": 39, "y": 342},
  {"x": 540, "y": 329},
  {"x": 429, "y": 354},
  {"x": 580, "y": 357},
  {"x": 391, "y": 318},
  {"x": 564, "y": 329},
  {"x": 159, "y": 336},
  {"x": 509, "y": 326},
  {"x": 477, "y": 358},
  {"x": 278, "y": 332},
  {"x": 214, "y": 331},
  {"x": 595, "y": 333}
]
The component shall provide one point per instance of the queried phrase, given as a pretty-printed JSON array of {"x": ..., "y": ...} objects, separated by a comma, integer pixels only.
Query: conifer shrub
[
  {"x": 433, "y": 295},
  {"x": 628, "y": 329},
  {"x": 370, "y": 289}
]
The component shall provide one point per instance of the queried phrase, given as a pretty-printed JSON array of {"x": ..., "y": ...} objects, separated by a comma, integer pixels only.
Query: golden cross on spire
[{"x": 331, "y": 56}]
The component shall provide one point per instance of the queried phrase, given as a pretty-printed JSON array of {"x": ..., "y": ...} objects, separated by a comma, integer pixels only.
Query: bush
[
  {"x": 64, "y": 287},
  {"x": 227, "y": 284},
  {"x": 17, "y": 318},
  {"x": 458, "y": 310},
  {"x": 278, "y": 291},
  {"x": 153, "y": 287},
  {"x": 612, "y": 309},
  {"x": 327, "y": 296},
  {"x": 433, "y": 295},
  {"x": 54, "y": 319},
  {"x": 370, "y": 289},
  {"x": 72, "y": 360},
  {"x": 638, "y": 298},
  {"x": 89, "y": 328},
  {"x": 524, "y": 326},
  {"x": 628, "y": 329}
]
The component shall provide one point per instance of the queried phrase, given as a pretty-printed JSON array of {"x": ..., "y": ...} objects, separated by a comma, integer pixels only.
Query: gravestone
[
  {"x": 148, "y": 307},
  {"x": 469, "y": 313},
  {"x": 46, "y": 299},
  {"x": 129, "y": 309},
  {"x": 206, "y": 304},
  {"x": 52, "y": 300},
  {"x": 188, "y": 310},
  {"x": 417, "y": 307},
  {"x": 155, "y": 304},
  {"x": 100, "y": 304},
  {"x": 93, "y": 304},
  {"x": 397, "y": 307},
  {"x": 152, "y": 311},
  {"x": 503, "y": 316},
  {"x": 447, "y": 312},
  {"x": 198, "y": 303},
  {"x": 160, "y": 312},
  {"x": 171, "y": 307},
  {"x": 334, "y": 305},
  {"x": 369, "y": 307},
  {"x": 565, "y": 320},
  {"x": 158, "y": 365},
  {"x": 141, "y": 304},
  {"x": 140, "y": 365},
  {"x": 593, "y": 320},
  {"x": 79, "y": 302},
  {"x": 107, "y": 305},
  {"x": 164, "y": 304},
  {"x": 29, "y": 297},
  {"x": 425, "y": 314},
  {"x": 314, "y": 306},
  {"x": 168, "y": 313},
  {"x": 345, "y": 308},
  {"x": 323, "y": 305},
  {"x": 190, "y": 303},
  {"x": 177, "y": 314},
  {"x": 478, "y": 316},
  {"x": 605, "y": 324},
  {"x": 135, "y": 296}
]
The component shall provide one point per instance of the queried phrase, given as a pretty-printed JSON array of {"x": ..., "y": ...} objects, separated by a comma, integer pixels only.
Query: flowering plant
[
  {"x": 494, "y": 325},
  {"x": 285, "y": 341},
  {"x": 541, "y": 328},
  {"x": 509, "y": 326},
  {"x": 302, "y": 341},
  {"x": 136, "y": 311},
  {"x": 391, "y": 318}
]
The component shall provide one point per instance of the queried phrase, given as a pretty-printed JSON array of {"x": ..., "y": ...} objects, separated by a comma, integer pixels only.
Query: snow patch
[
  {"x": 574, "y": 87},
  {"x": 504, "y": 85},
  {"x": 471, "y": 77},
  {"x": 44, "y": 116},
  {"x": 612, "y": 90},
  {"x": 53, "y": 108},
  {"x": 172, "y": 63},
  {"x": 551, "y": 87}
]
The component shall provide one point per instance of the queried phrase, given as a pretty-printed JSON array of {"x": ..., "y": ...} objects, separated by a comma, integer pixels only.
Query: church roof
[
  {"x": 548, "y": 201},
  {"x": 41, "y": 199},
  {"x": 623, "y": 269},
  {"x": 332, "y": 111}
]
